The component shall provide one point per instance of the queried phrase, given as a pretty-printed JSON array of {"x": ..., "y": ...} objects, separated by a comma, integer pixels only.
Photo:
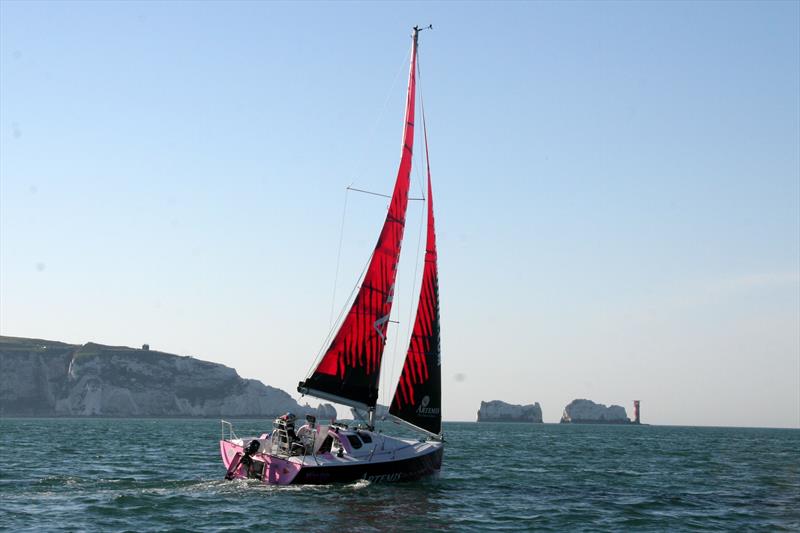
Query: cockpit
[{"x": 313, "y": 439}]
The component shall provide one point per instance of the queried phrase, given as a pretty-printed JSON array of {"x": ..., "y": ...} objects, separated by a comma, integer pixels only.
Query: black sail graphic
[{"x": 418, "y": 398}]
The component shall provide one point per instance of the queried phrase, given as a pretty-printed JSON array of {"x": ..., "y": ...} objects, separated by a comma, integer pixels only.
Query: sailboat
[{"x": 348, "y": 371}]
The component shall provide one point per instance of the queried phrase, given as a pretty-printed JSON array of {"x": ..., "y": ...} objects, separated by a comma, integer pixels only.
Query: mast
[{"x": 349, "y": 371}]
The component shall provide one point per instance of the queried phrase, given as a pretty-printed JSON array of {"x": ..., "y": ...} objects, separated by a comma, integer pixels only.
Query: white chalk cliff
[
  {"x": 497, "y": 411},
  {"x": 46, "y": 378},
  {"x": 587, "y": 412}
]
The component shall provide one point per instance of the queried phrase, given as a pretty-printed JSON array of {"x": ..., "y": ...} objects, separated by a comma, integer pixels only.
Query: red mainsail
[
  {"x": 349, "y": 370},
  {"x": 418, "y": 398}
]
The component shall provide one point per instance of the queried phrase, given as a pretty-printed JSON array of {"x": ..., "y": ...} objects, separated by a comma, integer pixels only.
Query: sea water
[{"x": 146, "y": 474}]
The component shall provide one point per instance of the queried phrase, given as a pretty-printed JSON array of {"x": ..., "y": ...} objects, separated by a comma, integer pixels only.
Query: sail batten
[{"x": 349, "y": 370}]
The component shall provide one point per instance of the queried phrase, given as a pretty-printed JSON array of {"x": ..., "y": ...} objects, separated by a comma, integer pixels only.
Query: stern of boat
[{"x": 248, "y": 458}]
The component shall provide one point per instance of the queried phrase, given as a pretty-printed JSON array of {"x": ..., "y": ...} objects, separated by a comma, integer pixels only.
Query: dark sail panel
[
  {"x": 349, "y": 370},
  {"x": 418, "y": 398}
]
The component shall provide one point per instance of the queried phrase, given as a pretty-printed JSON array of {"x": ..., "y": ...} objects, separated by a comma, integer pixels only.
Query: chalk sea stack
[
  {"x": 587, "y": 412},
  {"x": 497, "y": 411},
  {"x": 47, "y": 378}
]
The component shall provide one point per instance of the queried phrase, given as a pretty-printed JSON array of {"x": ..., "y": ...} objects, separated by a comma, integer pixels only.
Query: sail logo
[
  {"x": 378, "y": 325},
  {"x": 424, "y": 410}
]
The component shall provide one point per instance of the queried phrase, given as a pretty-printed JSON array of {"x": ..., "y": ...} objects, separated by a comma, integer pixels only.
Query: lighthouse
[{"x": 636, "y": 419}]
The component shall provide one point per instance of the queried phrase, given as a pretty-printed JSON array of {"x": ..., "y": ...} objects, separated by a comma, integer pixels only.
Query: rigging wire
[
  {"x": 422, "y": 109},
  {"x": 371, "y": 138},
  {"x": 345, "y": 307},
  {"x": 338, "y": 259},
  {"x": 349, "y": 188}
]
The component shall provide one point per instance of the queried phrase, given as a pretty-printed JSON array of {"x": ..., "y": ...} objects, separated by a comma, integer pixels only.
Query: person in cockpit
[{"x": 305, "y": 434}]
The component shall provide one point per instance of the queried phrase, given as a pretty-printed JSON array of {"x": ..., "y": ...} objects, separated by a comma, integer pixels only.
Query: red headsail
[
  {"x": 350, "y": 369},
  {"x": 418, "y": 398}
]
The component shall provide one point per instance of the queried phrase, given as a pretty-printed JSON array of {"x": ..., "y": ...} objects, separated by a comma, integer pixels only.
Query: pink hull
[
  {"x": 407, "y": 464},
  {"x": 276, "y": 470}
]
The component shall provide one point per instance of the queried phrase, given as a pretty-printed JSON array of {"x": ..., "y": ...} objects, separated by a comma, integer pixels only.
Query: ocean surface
[{"x": 145, "y": 475}]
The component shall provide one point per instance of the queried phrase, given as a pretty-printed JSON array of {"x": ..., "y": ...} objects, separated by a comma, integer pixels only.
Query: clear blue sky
[{"x": 617, "y": 188}]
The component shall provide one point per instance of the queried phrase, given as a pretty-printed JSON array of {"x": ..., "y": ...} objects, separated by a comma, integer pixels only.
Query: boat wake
[{"x": 360, "y": 484}]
